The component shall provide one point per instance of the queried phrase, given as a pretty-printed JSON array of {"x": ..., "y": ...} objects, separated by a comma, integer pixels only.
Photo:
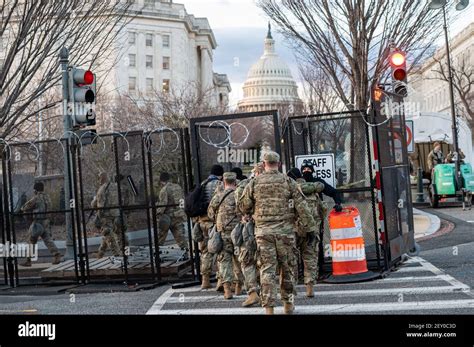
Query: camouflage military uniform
[
  {"x": 247, "y": 253},
  {"x": 226, "y": 217},
  {"x": 310, "y": 252},
  {"x": 276, "y": 202},
  {"x": 172, "y": 217},
  {"x": 40, "y": 227},
  {"x": 206, "y": 224},
  {"x": 109, "y": 219}
]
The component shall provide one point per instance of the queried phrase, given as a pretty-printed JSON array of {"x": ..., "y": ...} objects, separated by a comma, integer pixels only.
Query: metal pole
[
  {"x": 420, "y": 196},
  {"x": 451, "y": 95},
  {"x": 64, "y": 61}
]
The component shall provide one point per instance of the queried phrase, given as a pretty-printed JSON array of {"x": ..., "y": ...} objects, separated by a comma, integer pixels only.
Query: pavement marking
[
  {"x": 158, "y": 305},
  {"x": 411, "y": 269},
  {"x": 337, "y": 308},
  {"x": 338, "y": 293},
  {"x": 454, "y": 286}
]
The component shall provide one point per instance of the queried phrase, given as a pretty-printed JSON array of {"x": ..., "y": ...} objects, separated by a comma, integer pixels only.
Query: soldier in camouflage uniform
[
  {"x": 40, "y": 226},
  {"x": 171, "y": 217},
  {"x": 213, "y": 184},
  {"x": 222, "y": 210},
  {"x": 248, "y": 252},
  {"x": 276, "y": 203},
  {"x": 308, "y": 243},
  {"x": 108, "y": 219}
]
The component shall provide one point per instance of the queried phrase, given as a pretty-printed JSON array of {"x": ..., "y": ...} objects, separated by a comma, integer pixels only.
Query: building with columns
[
  {"x": 165, "y": 49},
  {"x": 270, "y": 84}
]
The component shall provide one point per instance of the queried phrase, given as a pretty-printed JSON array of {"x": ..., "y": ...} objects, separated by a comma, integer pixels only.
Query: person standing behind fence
[
  {"x": 222, "y": 210},
  {"x": 248, "y": 250},
  {"x": 276, "y": 202},
  {"x": 212, "y": 185},
  {"x": 435, "y": 157},
  {"x": 39, "y": 204},
  {"x": 106, "y": 219},
  {"x": 171, "y": 215}
]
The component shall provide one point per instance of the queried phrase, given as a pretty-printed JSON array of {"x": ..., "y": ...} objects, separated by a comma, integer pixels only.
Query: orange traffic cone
[{"x": 349, "y": 263}]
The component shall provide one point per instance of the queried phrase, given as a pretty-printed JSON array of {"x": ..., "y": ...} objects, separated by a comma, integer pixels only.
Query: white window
[
  {"x": 132, "y": 84},
  {"x": 149, "y": 85},
  {"x": 132, "y": 60},
  {"x": 166, "y": 63},
  {"x": 166, "y": 86},
  {"x": 149, "y": 3},
  {"x": 149, "y": 40},
  {"x": 166, "y": 41},
  {"x": 132, "y": 38},
  {"x": 149, "y": 61}
]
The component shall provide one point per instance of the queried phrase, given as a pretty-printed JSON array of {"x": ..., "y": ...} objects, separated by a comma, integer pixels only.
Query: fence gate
[
  {"x": 132, "y": 163},
  {"x": 344, "y": 136},
  {"x": 23, "y": 165},
  {"x": 234, "y": 140}
]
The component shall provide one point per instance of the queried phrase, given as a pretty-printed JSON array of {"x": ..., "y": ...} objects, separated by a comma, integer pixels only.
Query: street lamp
[{"x": 460, "y": 5}]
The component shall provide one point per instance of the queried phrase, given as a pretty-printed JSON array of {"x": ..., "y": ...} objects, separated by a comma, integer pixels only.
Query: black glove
[
  {"x": 338, "y": 207},
  {"x": 310, "y": 237}
]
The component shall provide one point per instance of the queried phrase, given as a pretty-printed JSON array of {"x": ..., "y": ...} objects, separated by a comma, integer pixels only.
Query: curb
[{"x": 435, "y": 223}]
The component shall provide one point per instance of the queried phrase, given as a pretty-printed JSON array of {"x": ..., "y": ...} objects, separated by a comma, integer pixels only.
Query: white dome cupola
[{"x": 269, "y": 84}]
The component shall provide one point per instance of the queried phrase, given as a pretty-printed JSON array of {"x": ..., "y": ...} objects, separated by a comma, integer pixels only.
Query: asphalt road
[{"x": 439, "y": 281}]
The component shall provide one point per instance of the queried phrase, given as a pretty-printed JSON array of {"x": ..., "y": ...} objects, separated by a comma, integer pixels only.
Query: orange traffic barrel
[{"x": 349, "y": 263}]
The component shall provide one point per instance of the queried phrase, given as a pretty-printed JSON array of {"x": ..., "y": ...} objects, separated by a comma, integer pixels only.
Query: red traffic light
[
  {"x": 399, "y": 74},
  {"x": 397, "y": 59},
  {"x": 88, "y": 77},
  {"x": 83, "y": 77}
]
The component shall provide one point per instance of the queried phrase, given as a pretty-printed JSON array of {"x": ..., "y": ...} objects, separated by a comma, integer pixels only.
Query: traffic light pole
[
  {"x": 64, "y": 61},
  {"x": 453, "y": 111}
]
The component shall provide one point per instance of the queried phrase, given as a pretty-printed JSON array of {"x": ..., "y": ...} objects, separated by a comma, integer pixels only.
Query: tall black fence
[
  {"x": 131, "y": 164},
  {"x": 347, "y": 138},
  {"x": 234, "y": 140}
]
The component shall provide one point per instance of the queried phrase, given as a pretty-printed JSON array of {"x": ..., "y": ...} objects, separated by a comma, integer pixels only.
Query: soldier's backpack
[
  {"x": 194, "y": 204},
  {"x": 215, "y": 243},
  {"x": 236, "y": 235}
]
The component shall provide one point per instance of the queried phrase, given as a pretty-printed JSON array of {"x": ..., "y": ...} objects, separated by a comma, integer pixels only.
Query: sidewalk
[{"x": 425, "y": 223}]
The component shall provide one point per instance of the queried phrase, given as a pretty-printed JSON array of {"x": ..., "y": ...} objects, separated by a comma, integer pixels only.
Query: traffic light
[
  {"x": 399, "y": 72},
  {"x": 82, "y": 96}
]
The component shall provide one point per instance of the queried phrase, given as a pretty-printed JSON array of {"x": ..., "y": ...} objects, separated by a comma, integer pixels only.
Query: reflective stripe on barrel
[{"x": 347, "y": 242}]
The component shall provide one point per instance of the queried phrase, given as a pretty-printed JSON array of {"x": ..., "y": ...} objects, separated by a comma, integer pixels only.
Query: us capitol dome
[{"x": 270, "y": 84}]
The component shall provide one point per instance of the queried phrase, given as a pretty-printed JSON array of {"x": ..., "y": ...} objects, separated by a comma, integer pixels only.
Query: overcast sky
[{"x": 240, "y": 28}]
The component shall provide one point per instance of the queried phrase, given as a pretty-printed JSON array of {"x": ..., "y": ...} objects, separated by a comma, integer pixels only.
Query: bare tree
[
  {"x": 159, "y": 108},
  {"x": 463, "y": 82},
  {"x": 349, "y": 41},
  {"x": 33, "y": 33}
]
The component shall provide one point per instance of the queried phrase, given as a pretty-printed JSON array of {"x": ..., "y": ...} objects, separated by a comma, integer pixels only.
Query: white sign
[{"x": 324, "y": 166}]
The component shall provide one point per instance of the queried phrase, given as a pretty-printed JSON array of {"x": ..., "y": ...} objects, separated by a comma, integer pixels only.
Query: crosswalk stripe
[
  {"x": 196, "y": 295},
  {"x": 339, "y": 293},
  {"x": 336, "y": 308}
]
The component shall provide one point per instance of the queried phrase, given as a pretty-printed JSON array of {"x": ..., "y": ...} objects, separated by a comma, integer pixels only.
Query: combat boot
[
  {"x": 27, "y": 262},
  {"x": 252, "y": 299},
  {"x": 219, "y": 286},
  {"x": 288, "y": 308},
  {"x": 269, "y": 310},
  {"x": 206, "y": 284},
  {"x": 227, "y": 291},
  {"x": 309, "y": 290},
  {"x": 238, "y": 289},
  {"x": 57, "y": 259}
]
